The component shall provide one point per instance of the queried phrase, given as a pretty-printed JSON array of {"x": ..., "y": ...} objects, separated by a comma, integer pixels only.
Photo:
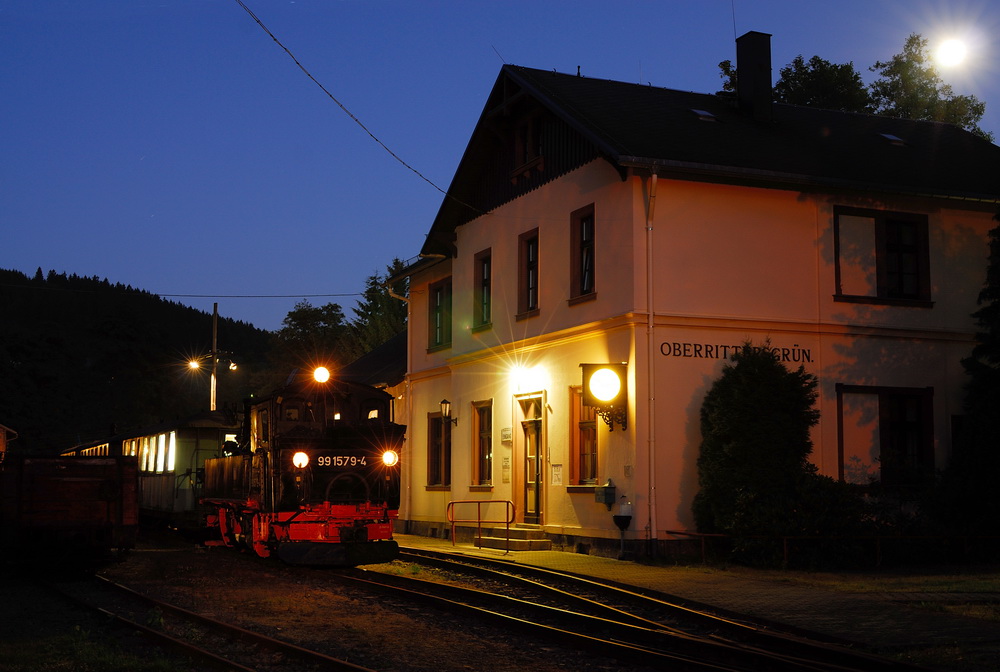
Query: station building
[{"x": 655, "y": 231}]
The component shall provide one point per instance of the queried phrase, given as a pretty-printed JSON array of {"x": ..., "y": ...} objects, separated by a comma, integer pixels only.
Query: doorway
[{"x": 533, "y": 462}]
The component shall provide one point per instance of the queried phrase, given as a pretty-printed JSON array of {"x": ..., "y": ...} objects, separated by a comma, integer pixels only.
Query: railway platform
[{"x": 886, "y": 622}]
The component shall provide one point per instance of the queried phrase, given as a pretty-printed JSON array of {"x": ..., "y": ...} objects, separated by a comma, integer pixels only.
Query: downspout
[
  {"x": 651, "y": 361},
  {"x": 409, "y": 390},
  {"x": 409, "y": 399}
]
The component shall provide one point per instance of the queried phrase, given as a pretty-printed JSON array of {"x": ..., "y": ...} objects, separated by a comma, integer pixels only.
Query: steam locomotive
[{"x": 316, "y": 477}]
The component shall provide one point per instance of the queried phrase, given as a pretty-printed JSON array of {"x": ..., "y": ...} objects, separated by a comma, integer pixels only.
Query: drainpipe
[
  {"x": 651, "y": 358},
  {"x": 409, "y": 389},
  {"x": 409, "y": 401}
]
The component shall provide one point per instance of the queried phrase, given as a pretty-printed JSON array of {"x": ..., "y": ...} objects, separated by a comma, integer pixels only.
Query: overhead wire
[
  {"x": 256, "y": 296},
  {"x": 186, "y": 296},
  {"x": 346, "y": 111}
]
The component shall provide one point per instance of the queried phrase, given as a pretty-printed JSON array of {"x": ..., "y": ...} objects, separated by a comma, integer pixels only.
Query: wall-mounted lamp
[
  {"x": 605, "y": 387},
  {"x": 446, "y": 412}
]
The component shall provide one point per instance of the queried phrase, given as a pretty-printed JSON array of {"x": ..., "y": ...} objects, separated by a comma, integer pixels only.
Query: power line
[
  {"x": 255, "y": 296},
  {"x": 177, "y": 296},
  {"x": 344, "y": 108}
]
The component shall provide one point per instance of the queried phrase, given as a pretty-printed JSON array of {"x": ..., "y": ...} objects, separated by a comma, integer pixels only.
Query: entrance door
[{"x": 534, "y": 459}]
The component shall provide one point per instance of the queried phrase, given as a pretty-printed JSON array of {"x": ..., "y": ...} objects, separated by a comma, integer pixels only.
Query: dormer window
[{"x": 703, "y": 115}]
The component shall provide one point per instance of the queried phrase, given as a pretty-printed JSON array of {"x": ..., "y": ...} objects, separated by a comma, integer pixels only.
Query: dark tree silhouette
[
  {"x": 909, "y": 87},
  {"x": 969, "y": 499},
  {"x": 820, "y": 83}
]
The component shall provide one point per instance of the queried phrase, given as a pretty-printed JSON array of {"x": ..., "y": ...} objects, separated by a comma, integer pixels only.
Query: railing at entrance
[{"x": 479, "y": 520}]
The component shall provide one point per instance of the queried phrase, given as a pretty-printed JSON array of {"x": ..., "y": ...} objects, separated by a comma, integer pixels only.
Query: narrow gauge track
[
  {"x": 615, "y": 621},
  {"x": 212, "y": 642}
]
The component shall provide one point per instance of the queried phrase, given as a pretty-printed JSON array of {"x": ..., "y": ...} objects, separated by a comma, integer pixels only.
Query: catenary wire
[{"x": 346, "y": 111}]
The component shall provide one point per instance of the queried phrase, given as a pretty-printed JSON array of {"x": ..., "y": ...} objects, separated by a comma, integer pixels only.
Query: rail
[{"x": 479, "y": 520}]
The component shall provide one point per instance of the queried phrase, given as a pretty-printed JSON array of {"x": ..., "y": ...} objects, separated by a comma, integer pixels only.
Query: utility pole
[{"x": 215, "y": 352}]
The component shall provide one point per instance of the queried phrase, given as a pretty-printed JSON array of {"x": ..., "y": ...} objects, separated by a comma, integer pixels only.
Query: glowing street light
[{"x": 213, "y": 356}]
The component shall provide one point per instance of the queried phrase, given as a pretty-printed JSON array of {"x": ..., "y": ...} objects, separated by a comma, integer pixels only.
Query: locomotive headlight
[
  {"x": 321, "y": 374},
  {"x": 300, "y": 459},
  {"x": 390, "y": 458}
]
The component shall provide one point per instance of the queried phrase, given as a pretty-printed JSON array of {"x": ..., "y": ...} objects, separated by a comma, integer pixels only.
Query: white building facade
[{"x": 599, "y": 222}]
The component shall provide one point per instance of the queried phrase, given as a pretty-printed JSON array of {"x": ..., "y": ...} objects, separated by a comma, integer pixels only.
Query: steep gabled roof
[{"x": 706, "y": 137}]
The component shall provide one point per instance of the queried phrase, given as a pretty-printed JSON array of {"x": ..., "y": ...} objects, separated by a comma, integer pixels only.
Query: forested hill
[{"x": 81, "y": 356}]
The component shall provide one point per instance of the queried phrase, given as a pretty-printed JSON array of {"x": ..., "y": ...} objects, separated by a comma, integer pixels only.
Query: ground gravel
[{"x": 306, "y": 606}]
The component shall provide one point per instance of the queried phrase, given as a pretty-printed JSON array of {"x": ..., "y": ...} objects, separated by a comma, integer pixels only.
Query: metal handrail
[{"x": 478, "y": 520}]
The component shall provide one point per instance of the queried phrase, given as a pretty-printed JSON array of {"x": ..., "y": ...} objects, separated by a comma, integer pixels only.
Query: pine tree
[{"x": 380, "y": 315}]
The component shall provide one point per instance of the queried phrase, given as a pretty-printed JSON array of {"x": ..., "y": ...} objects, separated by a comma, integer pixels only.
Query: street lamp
[{"x": 213, "y": 356}]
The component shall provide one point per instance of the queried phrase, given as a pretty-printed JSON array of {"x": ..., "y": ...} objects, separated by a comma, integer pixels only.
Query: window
[
  {"x": 882, "y": 257},
  {"x": 439, "y": 318},
  {"x": 527, "y": 149},
  {"x": 145, "y": 459},
  {"x": 438, "y": 450},
  {"x": 263, "y": 427},
  {"x": 886, "y": 436},
  {"x": 172, "y": 452},
  {"x": 582, "y": 255},
  {"x": 482, "y": 461},
  {"x": 527, "y": 302},
  {"x": 583, "y": 439},
  {"x": 161, "y": 452},
  {"x": 482, "y": 294}
]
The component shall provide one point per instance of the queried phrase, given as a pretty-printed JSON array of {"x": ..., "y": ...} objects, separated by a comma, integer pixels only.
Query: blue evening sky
[{"x": 172, "y": 145}]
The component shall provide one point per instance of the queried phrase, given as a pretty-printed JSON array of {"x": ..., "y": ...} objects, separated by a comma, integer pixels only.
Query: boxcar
[{"x": 77, "y": 512}]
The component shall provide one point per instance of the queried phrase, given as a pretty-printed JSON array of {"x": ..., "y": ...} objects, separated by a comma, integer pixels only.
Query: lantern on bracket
[{"x": 605, "y": 388}]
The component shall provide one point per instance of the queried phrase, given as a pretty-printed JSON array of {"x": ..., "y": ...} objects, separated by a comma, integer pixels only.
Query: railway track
[
  {"x": 208, "y": 642},
  {"x": 611, "y": 621}
]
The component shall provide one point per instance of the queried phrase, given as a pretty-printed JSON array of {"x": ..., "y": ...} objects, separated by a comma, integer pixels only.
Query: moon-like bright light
[{"x": 951, "y": 52}]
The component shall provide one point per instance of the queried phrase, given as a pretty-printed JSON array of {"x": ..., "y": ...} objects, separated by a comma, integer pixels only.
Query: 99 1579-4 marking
[{"x": 341, "y": 461}]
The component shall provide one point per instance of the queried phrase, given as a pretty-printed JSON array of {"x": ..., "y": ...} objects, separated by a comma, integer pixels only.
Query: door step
[{"x": 522, "y": 538}]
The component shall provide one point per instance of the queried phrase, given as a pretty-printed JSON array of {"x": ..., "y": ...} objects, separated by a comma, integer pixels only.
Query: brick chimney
[{"x": 753, "y": 75}]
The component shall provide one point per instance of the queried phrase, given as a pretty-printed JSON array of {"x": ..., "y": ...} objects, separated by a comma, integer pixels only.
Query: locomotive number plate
[{"x": 341, "y": 461}]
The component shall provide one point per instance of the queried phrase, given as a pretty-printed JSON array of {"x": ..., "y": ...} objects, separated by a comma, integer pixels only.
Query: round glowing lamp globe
[
  {"x": 300, "y": 460},
  {"x": 321, "y": 374},
  {"x": 605, "y": 384}
]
